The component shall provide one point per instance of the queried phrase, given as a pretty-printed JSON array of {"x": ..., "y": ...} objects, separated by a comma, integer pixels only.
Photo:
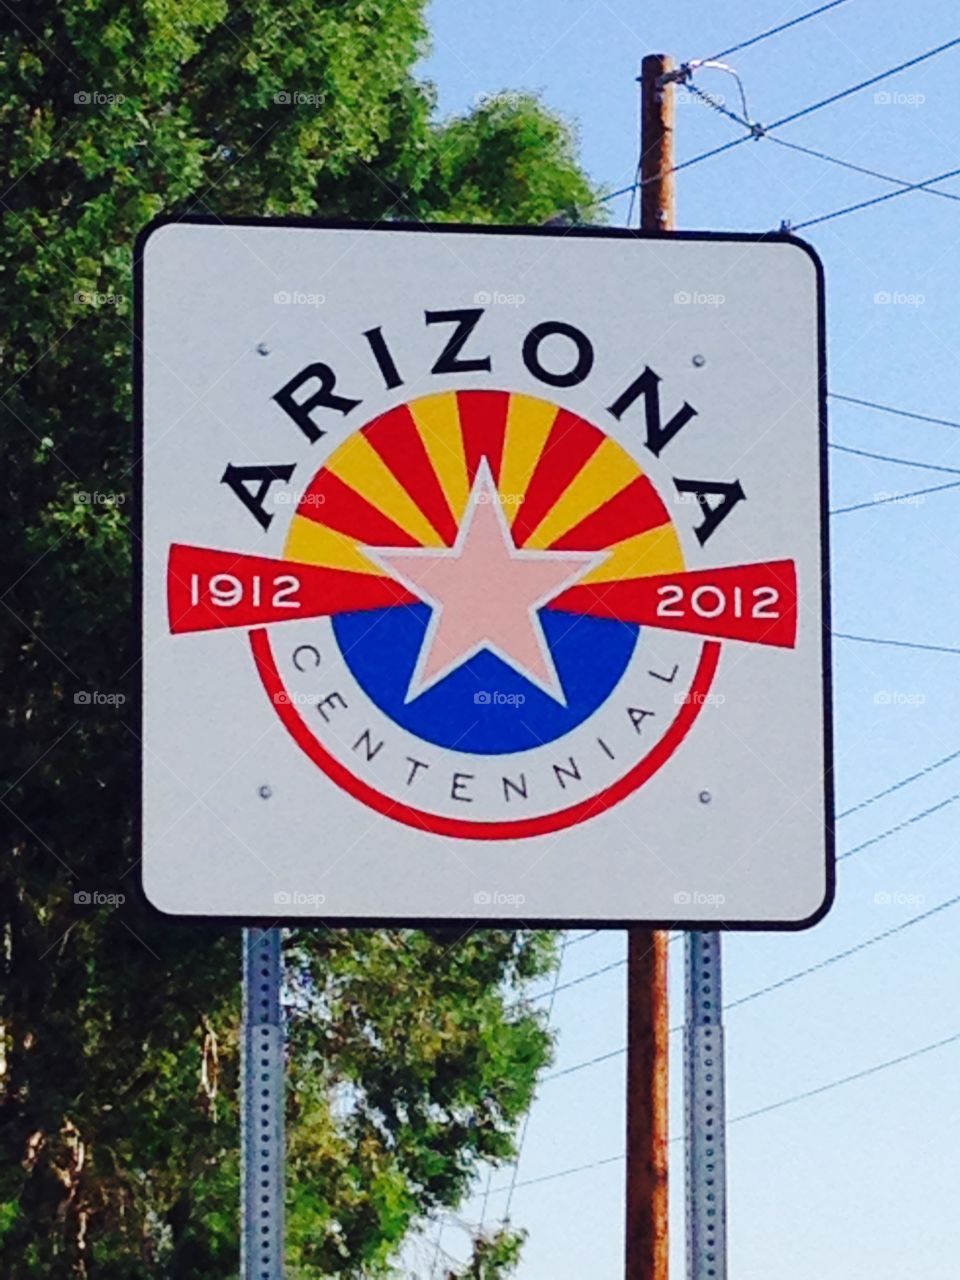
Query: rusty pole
[{"x": 647, "y": 1253}]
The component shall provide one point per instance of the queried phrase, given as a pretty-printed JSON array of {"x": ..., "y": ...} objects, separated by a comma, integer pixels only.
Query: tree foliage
[{"x": 412, "y": 1055}]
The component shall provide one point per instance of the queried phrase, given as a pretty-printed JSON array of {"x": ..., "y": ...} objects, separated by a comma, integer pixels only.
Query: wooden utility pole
[{"x": 647, "y": 1254}]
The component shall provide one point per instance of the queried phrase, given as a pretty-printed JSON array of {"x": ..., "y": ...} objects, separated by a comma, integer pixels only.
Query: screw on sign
[{"x": 461, "y": 574}]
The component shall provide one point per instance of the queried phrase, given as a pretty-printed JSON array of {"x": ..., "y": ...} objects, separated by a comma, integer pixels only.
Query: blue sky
[{"x": 857, "y": 1180}]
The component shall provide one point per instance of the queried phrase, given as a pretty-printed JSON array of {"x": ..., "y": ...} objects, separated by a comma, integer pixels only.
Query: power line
[
  {"x": 526, "y": 1118},
  {"x": 866, "y": 204},
  {"x": 843, "y": 955},
  {"x": 859, "y": 168},
  {"x": 900, "y": 413},
  {"x": 857, "y": 1075},
  {"x": 583, "y": 937},
  {"x": 781, "y": 982},
  {"x": 775, "y": 31},
  {"x": 901, "y": 462},
  {"x": 863, "y": 84},
  {"x": 895, "y": 497},
  {"x": 757, "y": 131},
  {"x": 901, "y": 826},
  {"x": 563, "y": 1173},
  {"x": 765, "y": 1110},
  {"x": 587, "y": 977},
  {"x": 896, "y": 786},
  {"x": 591, "y": 1062},
  {"x": 897, "y": 644}
]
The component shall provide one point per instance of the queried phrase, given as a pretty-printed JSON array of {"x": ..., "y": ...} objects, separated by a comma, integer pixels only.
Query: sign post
[
  {"x": 262, "y": 1080},
  {"x": 705, "y": 1109},
  {"x": 647, "y": 1253}
]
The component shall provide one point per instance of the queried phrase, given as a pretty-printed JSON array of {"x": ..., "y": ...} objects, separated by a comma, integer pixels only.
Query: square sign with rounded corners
[{"x": 484, "y": 575}]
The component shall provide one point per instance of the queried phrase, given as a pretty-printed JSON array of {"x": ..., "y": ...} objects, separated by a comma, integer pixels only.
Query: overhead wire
[
  {"x": 860, "y": 168},
  {"x": 863, "y": 84},
  {"x": 526, "y": 1119},
  {"x": 897, "y": 786},
  {"x": 900, "y": 826},
  {"x": 900, "y": 413},
  {"x": 897, "y": 644},
  {"x": 867, "y": 204},
  {"x": 775, "y": 31},
  {"x": 845, "y": 954},
  {"x": 901, "y": 462},
  {"x": 765, "y": 1110},
  {"x": 895, "y": 497},
  {"x": 757, "y": 131},
  {"x": 786, "y": 981}
]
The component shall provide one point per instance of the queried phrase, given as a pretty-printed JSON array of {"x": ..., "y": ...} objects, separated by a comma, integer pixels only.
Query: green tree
[{"x": 413, "y": 1054}]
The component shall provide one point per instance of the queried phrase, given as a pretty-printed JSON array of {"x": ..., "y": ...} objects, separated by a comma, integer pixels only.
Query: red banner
[
  {"x": 752, "y": 602},
  {"x": 208, "y": 589}
]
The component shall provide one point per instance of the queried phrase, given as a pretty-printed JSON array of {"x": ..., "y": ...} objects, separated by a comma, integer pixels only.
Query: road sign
[{"x": 483, "y": 575}]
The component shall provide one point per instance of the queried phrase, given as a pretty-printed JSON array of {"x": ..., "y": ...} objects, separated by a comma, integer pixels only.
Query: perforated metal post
[
  {"x": 704, "y": 1111},
  {"x": 262, "y": 1087}
]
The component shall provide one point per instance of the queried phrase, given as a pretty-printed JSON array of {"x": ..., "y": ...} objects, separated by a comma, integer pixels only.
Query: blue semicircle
[{"x": 485, "y": 705}]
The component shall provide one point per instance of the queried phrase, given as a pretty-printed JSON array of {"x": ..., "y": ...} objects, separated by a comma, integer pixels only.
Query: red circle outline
[{"x": 517, "y": 828}]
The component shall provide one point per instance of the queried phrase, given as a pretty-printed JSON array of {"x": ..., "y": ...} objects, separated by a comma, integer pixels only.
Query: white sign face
[{"x": 484, "y": 576}]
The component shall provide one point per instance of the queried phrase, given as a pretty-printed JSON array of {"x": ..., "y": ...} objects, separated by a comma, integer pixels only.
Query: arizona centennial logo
[{"x": 479, "y": 620}]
